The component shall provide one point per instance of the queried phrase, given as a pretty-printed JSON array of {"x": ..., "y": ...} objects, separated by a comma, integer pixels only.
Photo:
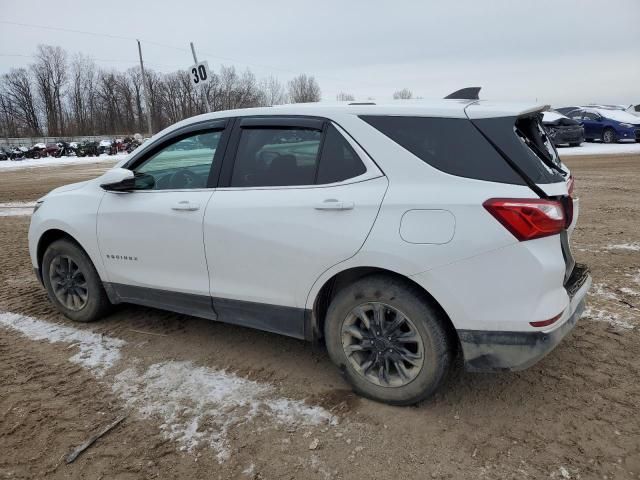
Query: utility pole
[
  {"x": 146, "y": 90},
  {"x": 203, "y": 93}
]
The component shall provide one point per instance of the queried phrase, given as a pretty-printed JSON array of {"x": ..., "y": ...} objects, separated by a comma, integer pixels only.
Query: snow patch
[
  {"x": 600, "y": 291},
  {"x": 600, "y": 315},
  {"x": 199, "y": 405},
  {"x": 12, "y": 209},
  {"x": 634, "y": 246},
  {"x": 600, "y": 149},
  {"x": 630, "y": 291},
  {"x": 52, "y": 161},
  {"x": 96, "y": 352}
]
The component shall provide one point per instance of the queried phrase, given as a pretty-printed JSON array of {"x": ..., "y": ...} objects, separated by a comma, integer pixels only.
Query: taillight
[
  {"x": 546, "y": 323},
  {"x": 528, "y": 219}
]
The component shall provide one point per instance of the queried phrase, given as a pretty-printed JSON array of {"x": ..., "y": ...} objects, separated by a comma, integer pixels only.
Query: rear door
[{"x": 296, "y": 197}]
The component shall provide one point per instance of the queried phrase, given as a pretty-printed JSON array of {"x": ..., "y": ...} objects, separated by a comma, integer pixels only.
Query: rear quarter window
[{"x": 452, "y": 145}]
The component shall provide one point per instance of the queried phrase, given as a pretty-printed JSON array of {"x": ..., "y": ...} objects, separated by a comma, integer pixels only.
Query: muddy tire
[
  {"x": 388, "y": 340},
  {"x": 72, "y": 283}
]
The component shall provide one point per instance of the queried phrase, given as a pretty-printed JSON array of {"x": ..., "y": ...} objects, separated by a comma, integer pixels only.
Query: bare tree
[
  {"x": 345, "y": 97},
  {"x": 19, "y": 102},
  {"x": 272, "y": 91},
  {"x": 82, "y": 94},
  {"x": 404, "y": 94},
  {"x": 303, "y": 89},
  {"x": 60, "y": 97},
  {"x": 50, "y": 72}
]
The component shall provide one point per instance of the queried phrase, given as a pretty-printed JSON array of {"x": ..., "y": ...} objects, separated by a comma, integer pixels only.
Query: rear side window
[
  {"x": 452, "y": 145},
  {"x": 524, "y": 142},
  {"x": 276, "y": 157},
  {"x": 339, "y": 161}
]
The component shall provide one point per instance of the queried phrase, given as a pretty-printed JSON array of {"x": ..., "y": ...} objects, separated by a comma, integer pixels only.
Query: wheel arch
[
  {"x": 315, "y": 322},
  {"x": 47, "y": 238}
]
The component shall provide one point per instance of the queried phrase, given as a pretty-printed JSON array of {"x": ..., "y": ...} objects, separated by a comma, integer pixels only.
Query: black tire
[
  {"x": 96, "y": 304},
  {"x": 609, "y": 136},
  {"x": 396, "y": 296}
]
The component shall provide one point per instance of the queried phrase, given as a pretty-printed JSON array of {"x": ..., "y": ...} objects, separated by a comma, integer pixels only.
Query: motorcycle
[
  {"x": 88, "y": 149},
  {"x": 66, "y": 150},
  {"x": 104, "y": 147},
  {"x": 20, "y": 153}
]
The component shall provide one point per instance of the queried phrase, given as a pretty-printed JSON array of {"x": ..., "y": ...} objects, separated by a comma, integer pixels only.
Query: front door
[
  {"x": 299, "y": 200},
  {"x": 592, "y": 124},
  {"x": 151, "y": 238}
]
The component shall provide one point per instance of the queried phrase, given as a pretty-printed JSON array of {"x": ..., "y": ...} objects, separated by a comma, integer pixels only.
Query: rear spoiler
[
  {"x": 468, "y": 93},
  {"x": 488, "y": 109}
]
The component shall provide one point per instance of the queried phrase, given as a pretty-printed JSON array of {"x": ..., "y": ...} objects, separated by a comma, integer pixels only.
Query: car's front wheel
[
  {"x": 388, "y": 340},
  {"x": 608, "y": 136},
  {"x": 72, "y": 283}
]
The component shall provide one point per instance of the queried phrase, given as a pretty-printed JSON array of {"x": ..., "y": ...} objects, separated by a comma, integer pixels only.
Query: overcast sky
[{"x": 558, "y": 52}]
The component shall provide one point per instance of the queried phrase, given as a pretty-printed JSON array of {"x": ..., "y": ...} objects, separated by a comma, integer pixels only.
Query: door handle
[
  {"x": 334, "y": 204},
  {"x": 185, "y": 206}
]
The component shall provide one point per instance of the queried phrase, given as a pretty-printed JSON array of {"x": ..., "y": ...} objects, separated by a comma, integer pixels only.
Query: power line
[
  {"x": 151, "y": 42},
  {"x": 99, "y": 60}
]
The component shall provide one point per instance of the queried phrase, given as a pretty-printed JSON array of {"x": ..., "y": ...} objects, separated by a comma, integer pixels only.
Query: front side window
[
  {"x": 276, "y": 157},
  {"x": 183, "y": 164}
]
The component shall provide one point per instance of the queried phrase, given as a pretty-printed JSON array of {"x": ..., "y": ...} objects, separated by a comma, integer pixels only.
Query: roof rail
[
  {"x": 468, "y": 93},
  {"x": 362, "y": 103}
]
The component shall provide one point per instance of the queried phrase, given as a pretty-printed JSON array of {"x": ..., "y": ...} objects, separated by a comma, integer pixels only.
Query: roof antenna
[{"x": 468, "y": 93}]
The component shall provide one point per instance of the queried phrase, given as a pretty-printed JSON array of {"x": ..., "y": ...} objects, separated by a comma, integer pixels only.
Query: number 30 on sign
[{"x": 199, "y": 73}]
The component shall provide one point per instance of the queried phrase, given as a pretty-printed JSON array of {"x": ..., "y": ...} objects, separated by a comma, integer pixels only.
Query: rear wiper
[{"x": 548, "y": 161}]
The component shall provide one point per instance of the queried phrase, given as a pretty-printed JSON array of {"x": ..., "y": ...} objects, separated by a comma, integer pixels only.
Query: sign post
[
  {"x": 146, "y": 91},
  {"x": 200, "y": 76}
]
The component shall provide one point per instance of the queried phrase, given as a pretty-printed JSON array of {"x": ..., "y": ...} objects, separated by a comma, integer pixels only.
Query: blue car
[{"x": 606, "y": 124}]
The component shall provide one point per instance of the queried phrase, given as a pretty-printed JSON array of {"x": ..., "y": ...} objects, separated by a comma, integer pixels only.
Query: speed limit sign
[{"x": 199, "y": 73}]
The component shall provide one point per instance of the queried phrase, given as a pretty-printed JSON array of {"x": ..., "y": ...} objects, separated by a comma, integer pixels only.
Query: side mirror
[{"x": 123, "y": 180}]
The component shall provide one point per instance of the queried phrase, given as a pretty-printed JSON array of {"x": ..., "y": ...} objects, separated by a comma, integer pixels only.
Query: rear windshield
[{"x": 452, "y": 145}]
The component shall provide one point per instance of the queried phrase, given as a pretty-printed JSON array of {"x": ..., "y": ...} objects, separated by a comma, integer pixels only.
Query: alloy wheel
[
  {"x": 608, "y": 136},
  {"x": 382, "y": 344},
  {"x": 68, "y": 282}
]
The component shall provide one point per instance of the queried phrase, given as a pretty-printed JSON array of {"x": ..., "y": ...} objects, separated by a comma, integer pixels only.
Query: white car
[{"x": 401, "y": 235}]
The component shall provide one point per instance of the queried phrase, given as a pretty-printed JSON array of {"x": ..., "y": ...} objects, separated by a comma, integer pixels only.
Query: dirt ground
[{"x": 574, "y": 415}]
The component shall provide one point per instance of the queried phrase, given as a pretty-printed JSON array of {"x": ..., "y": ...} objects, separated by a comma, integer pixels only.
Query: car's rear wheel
[
  {"x": 387, "y": 339},
  {"x": 72, "y": 283},
  {"x": 608, "y": 136}
]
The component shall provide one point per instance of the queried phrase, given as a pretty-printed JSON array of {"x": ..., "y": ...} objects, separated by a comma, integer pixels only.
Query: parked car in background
[
  {"x": 634, "y": 110},
  {"x": 566, "y": 110},
  {"x": 401, "y": 235},
  {"x": 606, "y": 124},
  {"x": 562, "y": 130}
]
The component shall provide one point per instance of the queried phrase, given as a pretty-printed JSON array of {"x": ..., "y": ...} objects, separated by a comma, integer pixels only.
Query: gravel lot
[{"x": 208, "y": 400}]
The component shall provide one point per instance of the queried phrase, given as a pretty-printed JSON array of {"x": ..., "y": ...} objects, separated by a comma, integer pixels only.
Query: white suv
[{"x": 401, "y": 235}]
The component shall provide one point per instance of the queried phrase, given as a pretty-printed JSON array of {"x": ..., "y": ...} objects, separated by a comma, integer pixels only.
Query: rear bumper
[
  {"x": 566, "y": 136},
  {"x": 491, "y": 351}
]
